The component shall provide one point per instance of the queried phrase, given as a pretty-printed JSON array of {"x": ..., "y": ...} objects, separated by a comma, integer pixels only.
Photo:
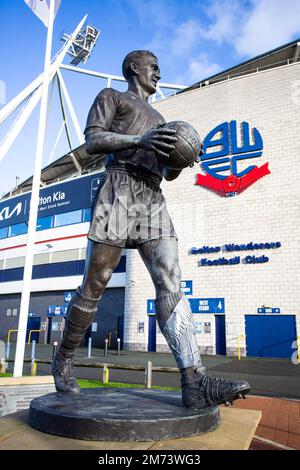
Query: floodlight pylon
[{"x": 82, "y": 46}]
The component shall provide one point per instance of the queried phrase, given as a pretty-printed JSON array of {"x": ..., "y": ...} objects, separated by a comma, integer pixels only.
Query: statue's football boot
[
  {"x": 200, "y": 391},
  {"x": 62, "y": 370},
  {"x": 80, "y": 314}
]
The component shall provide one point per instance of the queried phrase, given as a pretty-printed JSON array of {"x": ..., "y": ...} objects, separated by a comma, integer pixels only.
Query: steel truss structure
[
  {"x": 79, "y": 46},
  {"x": 82, "y": 46}
]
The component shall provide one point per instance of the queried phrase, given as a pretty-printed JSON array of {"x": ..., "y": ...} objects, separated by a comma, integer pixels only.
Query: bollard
[
  {"x": 106, "y": 346},
  {"x": 2, "y": 366},
  {"x": 33, "y": 368},
  {"x": 105, "y": 374},
  {"x": 119, "y": 346},
  {"x": 90, "y": 348},
  {"x": 54, "y": 349},
  {"x": 239, "y": 346},
  {"x": 7, "y": 350},
  {"x": 148, "y": 375},
  {"x": 33, "y": 350}
]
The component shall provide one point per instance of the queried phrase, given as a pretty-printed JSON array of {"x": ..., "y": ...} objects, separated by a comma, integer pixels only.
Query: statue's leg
[
  {"x": 175, "y": 321},
  {"x": 100, "y": 263}
]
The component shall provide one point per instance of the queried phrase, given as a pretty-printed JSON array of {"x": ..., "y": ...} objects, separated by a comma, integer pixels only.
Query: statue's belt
[{"x": 148, "y": 178}]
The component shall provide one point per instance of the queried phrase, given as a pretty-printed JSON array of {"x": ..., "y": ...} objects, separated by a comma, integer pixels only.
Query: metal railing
[
  {"x": 8, "y": 335},
  {"x": 238, "y": 338},
  {"x": 148, "y": 369},
  {"x": 32, "y": 331},
  {"x": 242, "y": 73}
]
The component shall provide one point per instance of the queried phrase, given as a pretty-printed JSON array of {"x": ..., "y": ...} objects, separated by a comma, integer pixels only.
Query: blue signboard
[
  {"x": 265, "y": 310},
  {"x": 56, "y": 199},
  {"x": 186, "y": 287},
  {"x": 212, "y": 305},
  {"x": 207, "y": 305},
  {"x": 151, "y": 307},
  {"x": 67, "y": 297},
  {"x": 57, "y": 310}
]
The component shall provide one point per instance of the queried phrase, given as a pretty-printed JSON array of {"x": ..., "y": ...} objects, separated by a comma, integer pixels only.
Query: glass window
[
  {"x": 44, "y": 222},
  {"x": 12, "y": 263},
  {"x": 18, "y": 229},
  {"x": 4, "y": 232},
  {"x": 68, "y": 218},
  {"x": 87, "y": 215}
]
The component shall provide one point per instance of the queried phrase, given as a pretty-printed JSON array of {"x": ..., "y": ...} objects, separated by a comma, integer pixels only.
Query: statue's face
[{"x": 148, "y": 73}]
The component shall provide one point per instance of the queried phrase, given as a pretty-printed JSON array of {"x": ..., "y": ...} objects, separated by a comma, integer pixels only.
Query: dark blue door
[
  {"x": 152, "y": 333},
  {"x": 270, "y": 335},
  {"x": 121, "y": 330},
  {"x": 220, "y": 335},
  {"x": 33, "y": 323},
  {"x": 49, "y": 330}
]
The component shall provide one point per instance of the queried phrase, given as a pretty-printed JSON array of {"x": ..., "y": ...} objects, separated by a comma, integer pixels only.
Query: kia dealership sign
[{"x": 55, "y": 199}]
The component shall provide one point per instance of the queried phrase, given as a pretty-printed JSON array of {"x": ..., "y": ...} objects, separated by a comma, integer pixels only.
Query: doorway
[
  {"x": 220, "y": 335},
  {"x": 152, "y": 333}
]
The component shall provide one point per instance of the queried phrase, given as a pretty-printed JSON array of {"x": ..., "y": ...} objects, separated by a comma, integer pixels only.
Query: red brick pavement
[{"x": 280, "y": 421}]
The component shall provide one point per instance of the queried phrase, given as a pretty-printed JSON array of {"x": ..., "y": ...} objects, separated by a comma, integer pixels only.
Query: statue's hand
[{"x": 160, "y": 140}]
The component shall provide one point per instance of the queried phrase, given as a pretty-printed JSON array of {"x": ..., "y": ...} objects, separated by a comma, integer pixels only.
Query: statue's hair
[{"x": 136, "y": 57}]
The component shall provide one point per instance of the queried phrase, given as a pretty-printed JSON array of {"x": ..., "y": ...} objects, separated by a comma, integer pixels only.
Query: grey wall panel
[{"x": 110, "y": 308}]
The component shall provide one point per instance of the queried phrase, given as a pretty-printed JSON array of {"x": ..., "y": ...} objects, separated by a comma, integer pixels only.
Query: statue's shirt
[{"x": 126, "y": 113}]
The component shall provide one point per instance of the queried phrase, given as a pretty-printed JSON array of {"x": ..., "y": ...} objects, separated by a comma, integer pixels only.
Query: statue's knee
[
  {"x": 104, "y": 276},
  {"x": 168, "y": 279},
  {"x": 91, "y": 289},
  {"x": 94, "y": 286}
]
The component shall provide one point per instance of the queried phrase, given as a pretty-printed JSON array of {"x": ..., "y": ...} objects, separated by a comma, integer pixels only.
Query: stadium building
[{"x": 236, "y": 215}]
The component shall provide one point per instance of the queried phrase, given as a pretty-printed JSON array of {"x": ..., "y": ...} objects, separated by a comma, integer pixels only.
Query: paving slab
[
  {"x": 235, "y": 432},
  {"x": 26, "y": 380},
  {"x": 280, "y": 422}
]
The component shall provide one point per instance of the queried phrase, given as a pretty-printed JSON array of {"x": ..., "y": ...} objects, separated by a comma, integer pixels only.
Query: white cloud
[
  {"x": 187, "y": 35},
  {"x": 156, "y": 12},
  {"x": 248, "y": 27},
  {"x": 226, "y": 18},
  {"x": 198, "y": 69},
  {"x": 255, "y": 27},
  {"x": 271, "y": 23},
  {"x": 184, "y": 37}
]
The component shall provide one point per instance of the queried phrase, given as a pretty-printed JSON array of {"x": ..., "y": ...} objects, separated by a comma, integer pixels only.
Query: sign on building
[
  {"x": 210, "y": 305},
  {"x": 186, "y": 287}
]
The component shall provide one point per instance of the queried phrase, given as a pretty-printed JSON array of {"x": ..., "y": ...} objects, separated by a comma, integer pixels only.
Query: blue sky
[{"x": 192, "y": 38}]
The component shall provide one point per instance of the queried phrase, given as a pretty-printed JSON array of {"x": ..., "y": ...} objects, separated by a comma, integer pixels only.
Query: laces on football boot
[
  {"x": 201, "y": 391},
  {"x": 62, "y": 370}
]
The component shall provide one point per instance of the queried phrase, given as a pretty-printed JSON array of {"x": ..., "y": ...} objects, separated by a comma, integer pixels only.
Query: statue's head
[{"x": 142, "y": 67}]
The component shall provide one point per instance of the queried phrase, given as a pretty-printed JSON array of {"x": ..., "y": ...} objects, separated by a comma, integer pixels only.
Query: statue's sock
[
  {"x": 175, "y": 321},
  {"x": 80, "y": 314}
]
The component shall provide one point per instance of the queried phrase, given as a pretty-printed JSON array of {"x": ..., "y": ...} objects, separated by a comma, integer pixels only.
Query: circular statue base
[{"x": 120, "y": 414}]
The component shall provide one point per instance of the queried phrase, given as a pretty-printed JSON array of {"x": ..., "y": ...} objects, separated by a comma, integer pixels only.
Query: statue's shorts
[{"x": 129, "y": 210}]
